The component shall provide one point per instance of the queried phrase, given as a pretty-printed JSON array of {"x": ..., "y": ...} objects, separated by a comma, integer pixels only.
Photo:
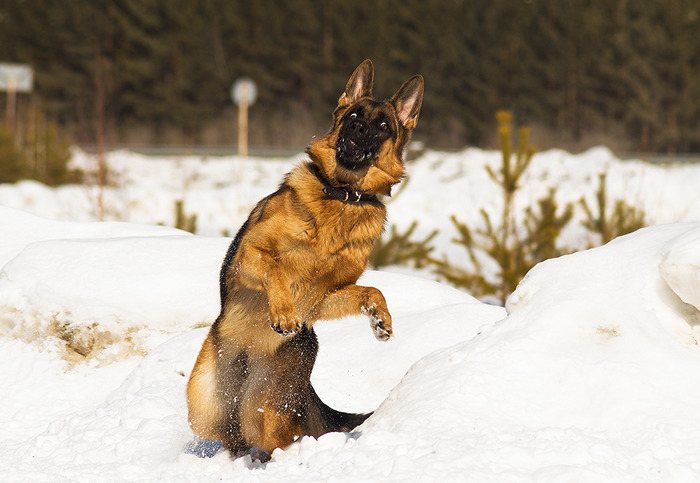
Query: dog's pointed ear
[
  {"x": 408, "y": 100},
  {"x": 359, "y": 85}
]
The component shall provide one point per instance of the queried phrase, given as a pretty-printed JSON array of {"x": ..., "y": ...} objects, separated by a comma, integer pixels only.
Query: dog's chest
[{"x": 339, "y": 243}]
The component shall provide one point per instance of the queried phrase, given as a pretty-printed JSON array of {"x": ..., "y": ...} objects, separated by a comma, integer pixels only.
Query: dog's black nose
[{"x": 358, "y": 127}]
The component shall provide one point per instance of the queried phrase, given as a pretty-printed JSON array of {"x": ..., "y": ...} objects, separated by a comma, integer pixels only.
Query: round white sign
[{"x": 244, "y": 90}]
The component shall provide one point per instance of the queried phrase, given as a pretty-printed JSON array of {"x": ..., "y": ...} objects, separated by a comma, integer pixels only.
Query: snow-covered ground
[{"x": 590, "y": 372}]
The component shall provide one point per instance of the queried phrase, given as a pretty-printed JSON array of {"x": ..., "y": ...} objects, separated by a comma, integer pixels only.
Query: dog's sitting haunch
[{"x": 295, "y": 261}]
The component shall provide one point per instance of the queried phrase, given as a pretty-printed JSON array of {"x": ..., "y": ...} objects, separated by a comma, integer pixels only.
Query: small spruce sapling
[
  {"x": 399, "y": 249},
  {"x": 608, "y": 225},
  {"x": 514, "y": 249}
]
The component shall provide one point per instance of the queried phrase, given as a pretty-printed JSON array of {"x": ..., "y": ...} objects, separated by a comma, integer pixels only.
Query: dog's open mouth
[{"x": 351, "y": 154}]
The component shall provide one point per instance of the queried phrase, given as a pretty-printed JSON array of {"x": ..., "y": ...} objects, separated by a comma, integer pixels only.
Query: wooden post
[
  {"x": 14, "y": 78},
  {"x": 243, "y": 122},
  {"x": 243, "y": 94},
  {"x": 11, "y": 107}
]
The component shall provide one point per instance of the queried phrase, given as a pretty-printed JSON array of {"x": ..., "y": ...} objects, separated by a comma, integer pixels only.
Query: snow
[{"x": 588, "y": 374}]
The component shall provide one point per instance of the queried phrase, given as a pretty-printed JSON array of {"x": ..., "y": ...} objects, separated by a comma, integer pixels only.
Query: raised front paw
[
  {"x": 379, "y": 321},
  {"x": 285, "y": 320}
]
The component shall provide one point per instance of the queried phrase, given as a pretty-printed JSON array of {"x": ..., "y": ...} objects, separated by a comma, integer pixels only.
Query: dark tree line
[{"x": 161, "y": 70}]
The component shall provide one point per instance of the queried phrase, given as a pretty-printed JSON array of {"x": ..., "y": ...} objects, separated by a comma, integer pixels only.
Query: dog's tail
[{"x": 332, "y": 420}]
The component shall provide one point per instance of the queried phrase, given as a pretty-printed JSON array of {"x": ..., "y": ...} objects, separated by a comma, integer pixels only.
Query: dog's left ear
[
  {"x": 408, "y": 100},
  {"x": 359, "y": 85}
]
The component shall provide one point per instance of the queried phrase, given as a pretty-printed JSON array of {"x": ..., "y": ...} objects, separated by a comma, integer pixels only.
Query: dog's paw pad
[
  {"x": 379, "y": 328},
  {"x": 284, "y": 332},
  {"x": 379, "y": 321},
  {"x": 286, "y": 327},
  {"x": 259, "y": 454},
  {"x": 380, "y": 332}
]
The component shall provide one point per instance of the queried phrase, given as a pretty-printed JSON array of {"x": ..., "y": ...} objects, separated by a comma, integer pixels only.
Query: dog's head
[{"x": 363, "y": 151}]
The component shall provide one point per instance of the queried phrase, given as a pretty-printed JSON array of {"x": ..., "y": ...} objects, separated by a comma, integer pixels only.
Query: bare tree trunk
[{"x": 99, "y": 135}]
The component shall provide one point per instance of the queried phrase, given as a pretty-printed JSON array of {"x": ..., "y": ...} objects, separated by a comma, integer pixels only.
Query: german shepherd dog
[{"x": 294, "y": 261}]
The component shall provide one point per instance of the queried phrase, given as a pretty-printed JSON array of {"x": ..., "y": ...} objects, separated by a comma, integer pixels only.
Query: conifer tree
[
  {"x": 515, "y": 249},
  {"x": 608, "y": 224},
  {"x": 163, "y": 68}
]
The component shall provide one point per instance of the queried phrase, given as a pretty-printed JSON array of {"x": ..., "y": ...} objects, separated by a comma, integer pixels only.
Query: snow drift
[{"x": 590, "y": 375}]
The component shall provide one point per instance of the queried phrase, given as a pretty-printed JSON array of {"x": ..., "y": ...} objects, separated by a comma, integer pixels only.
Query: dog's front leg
[
  {"x": 284, "y": 316},
  {"x": 353, "y": 300},
  {"x": 260, "y": 271}
]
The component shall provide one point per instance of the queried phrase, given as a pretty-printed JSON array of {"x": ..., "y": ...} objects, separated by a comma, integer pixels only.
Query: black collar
[
  {"x": 341, "y": 193},
  {"x": 349, "y": 196}
]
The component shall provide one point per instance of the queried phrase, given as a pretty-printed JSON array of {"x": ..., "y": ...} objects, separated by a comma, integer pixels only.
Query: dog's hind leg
[
  {"x": 206, "y": 412},
  {"x": 277, "y": 394},
  {"x": 214, "y": 394}
]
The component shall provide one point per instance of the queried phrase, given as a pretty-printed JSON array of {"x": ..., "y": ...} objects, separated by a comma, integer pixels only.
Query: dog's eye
[
  {"x": 383, "y": 126},
  {"x": 353, "y": 115}
]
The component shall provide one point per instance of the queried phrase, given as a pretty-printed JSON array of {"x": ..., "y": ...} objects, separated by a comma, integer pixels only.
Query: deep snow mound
[
  {"x": 590, "y": 376},
  {"x": 680, "y": 268},
  {"x": 600, "y": 340},
  {"x": 105, "y": 289}
]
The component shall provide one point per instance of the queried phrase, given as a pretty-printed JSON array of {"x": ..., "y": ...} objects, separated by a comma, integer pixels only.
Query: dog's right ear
[{"x": 359, "y": 85}]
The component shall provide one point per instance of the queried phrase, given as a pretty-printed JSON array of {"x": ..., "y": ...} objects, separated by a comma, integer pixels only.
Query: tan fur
[{"x": 295, "y": 261}]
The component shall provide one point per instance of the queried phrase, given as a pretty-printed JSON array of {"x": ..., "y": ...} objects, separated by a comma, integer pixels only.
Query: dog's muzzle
[{"x": 356, "y": 145}]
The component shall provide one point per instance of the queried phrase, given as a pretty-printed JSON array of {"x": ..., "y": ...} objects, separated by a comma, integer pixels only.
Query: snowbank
[
  {"x": 114, "y": 286},
  {"x": 590, "y": 376}
]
